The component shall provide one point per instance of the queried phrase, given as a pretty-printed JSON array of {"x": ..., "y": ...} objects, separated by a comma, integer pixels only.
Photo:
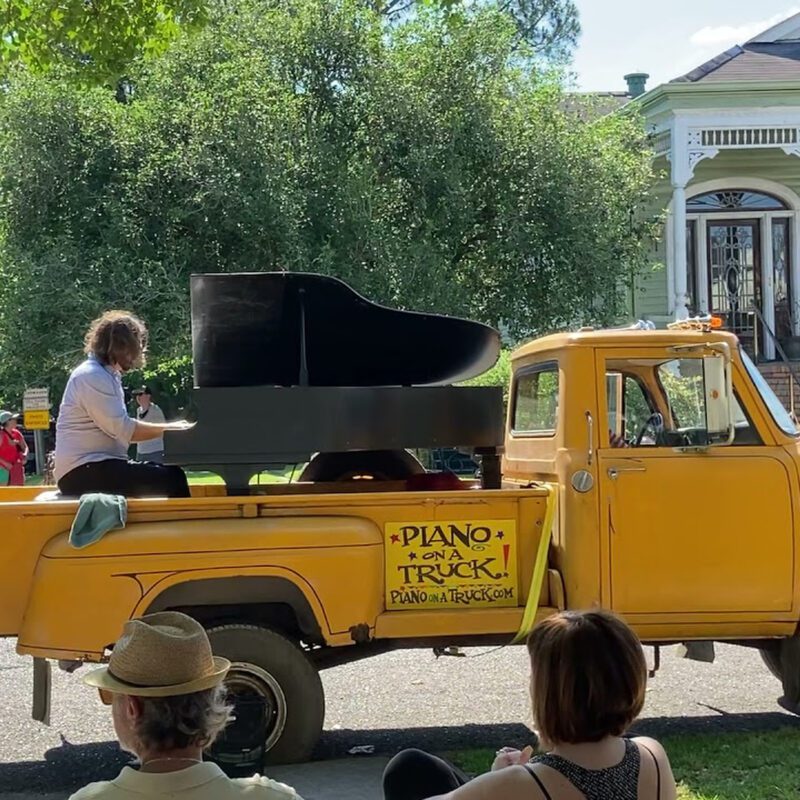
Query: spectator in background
[
  {"x": 148, "y": 411},
  {"x": 18, "y": 468},
  {"x": 8, "y": 448}
]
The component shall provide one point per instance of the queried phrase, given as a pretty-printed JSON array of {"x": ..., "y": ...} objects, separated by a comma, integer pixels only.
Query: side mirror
[{"x": 719, "y": 399}]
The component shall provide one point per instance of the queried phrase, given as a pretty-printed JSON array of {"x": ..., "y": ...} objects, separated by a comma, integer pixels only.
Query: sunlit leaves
[{"x": 91, "y": 40}]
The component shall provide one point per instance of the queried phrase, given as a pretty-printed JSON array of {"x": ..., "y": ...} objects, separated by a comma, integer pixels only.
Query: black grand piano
[{"x": 287, "y": 365}]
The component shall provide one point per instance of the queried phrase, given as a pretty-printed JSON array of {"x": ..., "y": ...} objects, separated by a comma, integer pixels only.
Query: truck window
[
  {"x": 637, "y": 408},
  {"x": 781, "y": 416},
  {"x": 536, "y": 400},
  {"x": 682, "y": 380},
  {"x": 628, "y": 406}
]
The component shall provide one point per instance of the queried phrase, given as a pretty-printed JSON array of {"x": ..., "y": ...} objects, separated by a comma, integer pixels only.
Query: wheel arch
[{"x": 266, "y": 600}]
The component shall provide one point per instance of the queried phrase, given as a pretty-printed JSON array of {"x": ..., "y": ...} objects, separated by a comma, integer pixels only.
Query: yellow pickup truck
[{"x": 650, "y": 472}]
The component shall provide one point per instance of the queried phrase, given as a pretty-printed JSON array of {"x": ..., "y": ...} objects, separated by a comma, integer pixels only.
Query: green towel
[{"x": 97, "y": 515}]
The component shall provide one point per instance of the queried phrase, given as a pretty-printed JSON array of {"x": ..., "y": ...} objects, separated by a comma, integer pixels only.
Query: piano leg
[{"x": 491, "y": 477}]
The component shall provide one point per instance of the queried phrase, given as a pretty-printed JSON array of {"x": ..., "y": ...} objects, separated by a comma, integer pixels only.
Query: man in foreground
[{"x": 167, "y": 701}]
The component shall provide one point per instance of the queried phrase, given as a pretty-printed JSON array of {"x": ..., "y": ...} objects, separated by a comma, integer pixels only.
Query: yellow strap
[{"x": 539, "y": 567}]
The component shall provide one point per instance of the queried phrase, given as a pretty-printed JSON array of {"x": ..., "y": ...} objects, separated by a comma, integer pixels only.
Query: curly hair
[
  {"x": 189, "y": 720},
  {"x": 117, "y": 337}
]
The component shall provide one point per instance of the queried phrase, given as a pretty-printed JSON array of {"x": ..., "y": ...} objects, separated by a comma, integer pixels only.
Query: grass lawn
[
  {"x": 732, "y": 766},
  {"x": 271, "y": 476}
]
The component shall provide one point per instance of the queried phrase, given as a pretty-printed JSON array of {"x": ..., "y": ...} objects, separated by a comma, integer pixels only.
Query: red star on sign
[{"x": 395, "y": 538}]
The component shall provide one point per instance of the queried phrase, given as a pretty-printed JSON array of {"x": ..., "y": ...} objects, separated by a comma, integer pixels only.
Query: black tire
[
  {"x": 379, "y": 465},
  {"x": 782, "y": 658},
  {"x": 268, "y": 666}
]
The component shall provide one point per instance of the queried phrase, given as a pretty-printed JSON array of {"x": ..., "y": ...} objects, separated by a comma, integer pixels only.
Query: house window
[
  {"x": 734, "y": 200},
  {"x": 780, "y": 278},
  {"x": 691, "y": 266}
]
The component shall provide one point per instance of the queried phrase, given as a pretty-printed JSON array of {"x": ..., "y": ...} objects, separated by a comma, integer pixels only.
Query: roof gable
[
  {"x": 773, "y": 55},
  {"x": 786, "y": 31}
]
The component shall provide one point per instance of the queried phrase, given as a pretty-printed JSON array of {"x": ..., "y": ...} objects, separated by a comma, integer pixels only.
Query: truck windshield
[{"x": 776, "y": 408}]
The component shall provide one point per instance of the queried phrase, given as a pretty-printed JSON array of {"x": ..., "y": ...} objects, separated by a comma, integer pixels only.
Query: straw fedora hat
[{"x": 160, "y": 655}]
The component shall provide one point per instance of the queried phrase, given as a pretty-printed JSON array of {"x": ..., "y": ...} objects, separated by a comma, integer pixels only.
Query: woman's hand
[{"x": 511, "y": 757}]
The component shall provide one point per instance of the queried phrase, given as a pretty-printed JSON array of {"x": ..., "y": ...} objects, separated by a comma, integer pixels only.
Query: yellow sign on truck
[{"x": 466, "y": 563}]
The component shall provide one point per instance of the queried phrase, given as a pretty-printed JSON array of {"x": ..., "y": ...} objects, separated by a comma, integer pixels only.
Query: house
[{"x": 727, "y": 149}]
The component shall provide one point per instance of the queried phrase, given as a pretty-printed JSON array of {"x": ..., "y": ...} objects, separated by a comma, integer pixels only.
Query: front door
[
  {"x": 688, "y": 531},
  {"x": 734, "y": 267}
]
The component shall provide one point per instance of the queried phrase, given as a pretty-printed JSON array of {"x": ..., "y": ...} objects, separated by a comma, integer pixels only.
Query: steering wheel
[{"x": 654, "y": 422}]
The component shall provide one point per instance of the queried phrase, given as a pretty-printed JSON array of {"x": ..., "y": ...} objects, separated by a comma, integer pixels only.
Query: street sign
[
  {"x": 36, "y": 400},
  {"x": 37, "y": 420}
]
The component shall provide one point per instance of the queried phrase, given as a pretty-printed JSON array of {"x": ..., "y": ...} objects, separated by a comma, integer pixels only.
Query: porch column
[
  {"x": 679, "y": 249},
  {"x": 768, "y": 288},
  {"x": 794, "y": 240}
]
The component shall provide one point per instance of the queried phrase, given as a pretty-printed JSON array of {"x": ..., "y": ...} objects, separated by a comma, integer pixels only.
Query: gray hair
[{"x": 188, "y": 720}]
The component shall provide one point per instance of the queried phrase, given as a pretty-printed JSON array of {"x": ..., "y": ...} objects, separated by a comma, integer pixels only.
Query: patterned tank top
[{"x": 620, "y": 782}]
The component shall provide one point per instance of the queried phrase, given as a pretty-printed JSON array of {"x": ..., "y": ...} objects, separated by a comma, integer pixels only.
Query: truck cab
[{"x": 677, "y": 469}]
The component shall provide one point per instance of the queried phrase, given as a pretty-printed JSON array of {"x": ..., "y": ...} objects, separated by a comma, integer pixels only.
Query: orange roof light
[{"x": 716, "y": 323}]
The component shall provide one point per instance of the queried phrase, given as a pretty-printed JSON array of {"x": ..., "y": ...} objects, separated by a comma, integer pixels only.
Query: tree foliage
[
  {"x": 549, "y": 27},
  {"x": 97, "y": 41},
  {"x": 417, "y": 164},
  {"x": 93, "y": 40}
]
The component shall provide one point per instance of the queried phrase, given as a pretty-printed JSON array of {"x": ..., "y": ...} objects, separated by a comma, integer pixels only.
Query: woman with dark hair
[
  {"x": 94, "y": 430},
  {"x": 587, "y": 687}
]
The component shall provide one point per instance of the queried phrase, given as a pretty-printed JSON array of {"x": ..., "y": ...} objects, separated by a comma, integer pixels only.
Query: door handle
[{"x": 615, "y": 472}]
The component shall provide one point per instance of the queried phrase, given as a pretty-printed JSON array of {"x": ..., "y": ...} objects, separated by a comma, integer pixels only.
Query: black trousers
[
  {"x": 416, "y": 775},
  {"x": 128, "y": 478}
]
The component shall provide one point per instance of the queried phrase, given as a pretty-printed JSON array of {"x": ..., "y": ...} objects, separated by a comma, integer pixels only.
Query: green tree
[
  {"x": 549, "y": 27},
  {"x": 418, "y": 163},
  {"x": 94, "y": 40}
]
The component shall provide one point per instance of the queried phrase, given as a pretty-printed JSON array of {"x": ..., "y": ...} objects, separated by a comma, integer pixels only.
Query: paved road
[{"x": 392, "y": 701}]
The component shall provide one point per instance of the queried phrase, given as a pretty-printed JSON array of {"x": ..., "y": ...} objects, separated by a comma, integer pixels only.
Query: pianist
[{"x": 94, "y": 430}]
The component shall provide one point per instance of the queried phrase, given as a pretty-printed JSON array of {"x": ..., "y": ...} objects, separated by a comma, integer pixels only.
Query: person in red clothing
[
  {"x": 9, "y": 452},
  {"x": 18, "y": 468}
]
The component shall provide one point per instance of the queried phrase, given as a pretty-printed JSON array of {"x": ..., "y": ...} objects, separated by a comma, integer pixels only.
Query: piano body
[{"x": 302, "y": 364}]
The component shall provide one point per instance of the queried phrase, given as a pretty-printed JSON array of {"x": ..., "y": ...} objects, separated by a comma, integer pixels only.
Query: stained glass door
[{"x": 735, "y": 274}]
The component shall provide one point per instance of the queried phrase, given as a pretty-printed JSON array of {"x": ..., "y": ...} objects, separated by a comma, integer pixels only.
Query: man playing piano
[{"x": 94, "y": 430}]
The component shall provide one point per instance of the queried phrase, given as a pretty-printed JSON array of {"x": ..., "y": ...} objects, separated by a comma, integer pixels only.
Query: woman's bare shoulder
[{"x": 653, "y": 745}]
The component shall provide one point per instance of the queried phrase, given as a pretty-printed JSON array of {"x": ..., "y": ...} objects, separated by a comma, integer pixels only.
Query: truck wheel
[
  {"x": 783, "y": 661},
  {"x": 378, "y": 465},
  {"x": 271, "y": 671}
]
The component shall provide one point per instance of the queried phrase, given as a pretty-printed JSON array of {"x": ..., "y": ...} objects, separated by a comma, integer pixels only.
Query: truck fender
[{"x": 232, "y": 597}]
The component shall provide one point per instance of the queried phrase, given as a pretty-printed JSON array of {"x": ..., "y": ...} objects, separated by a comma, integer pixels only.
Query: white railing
[{"x": 744, "y": 137}]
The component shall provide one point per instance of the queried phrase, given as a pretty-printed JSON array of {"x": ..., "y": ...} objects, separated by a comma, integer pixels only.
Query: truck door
[{"x": 688, "y": 528}]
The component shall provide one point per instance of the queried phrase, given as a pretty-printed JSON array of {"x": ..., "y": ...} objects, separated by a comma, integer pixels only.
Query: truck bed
[{"x": 333, "y": 546}]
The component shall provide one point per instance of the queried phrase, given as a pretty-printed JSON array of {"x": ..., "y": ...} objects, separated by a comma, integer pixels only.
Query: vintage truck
[{"x": 654, "y": 473}]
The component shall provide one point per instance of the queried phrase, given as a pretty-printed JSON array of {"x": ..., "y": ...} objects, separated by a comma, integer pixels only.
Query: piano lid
[{"x": 301, "y": 329}]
